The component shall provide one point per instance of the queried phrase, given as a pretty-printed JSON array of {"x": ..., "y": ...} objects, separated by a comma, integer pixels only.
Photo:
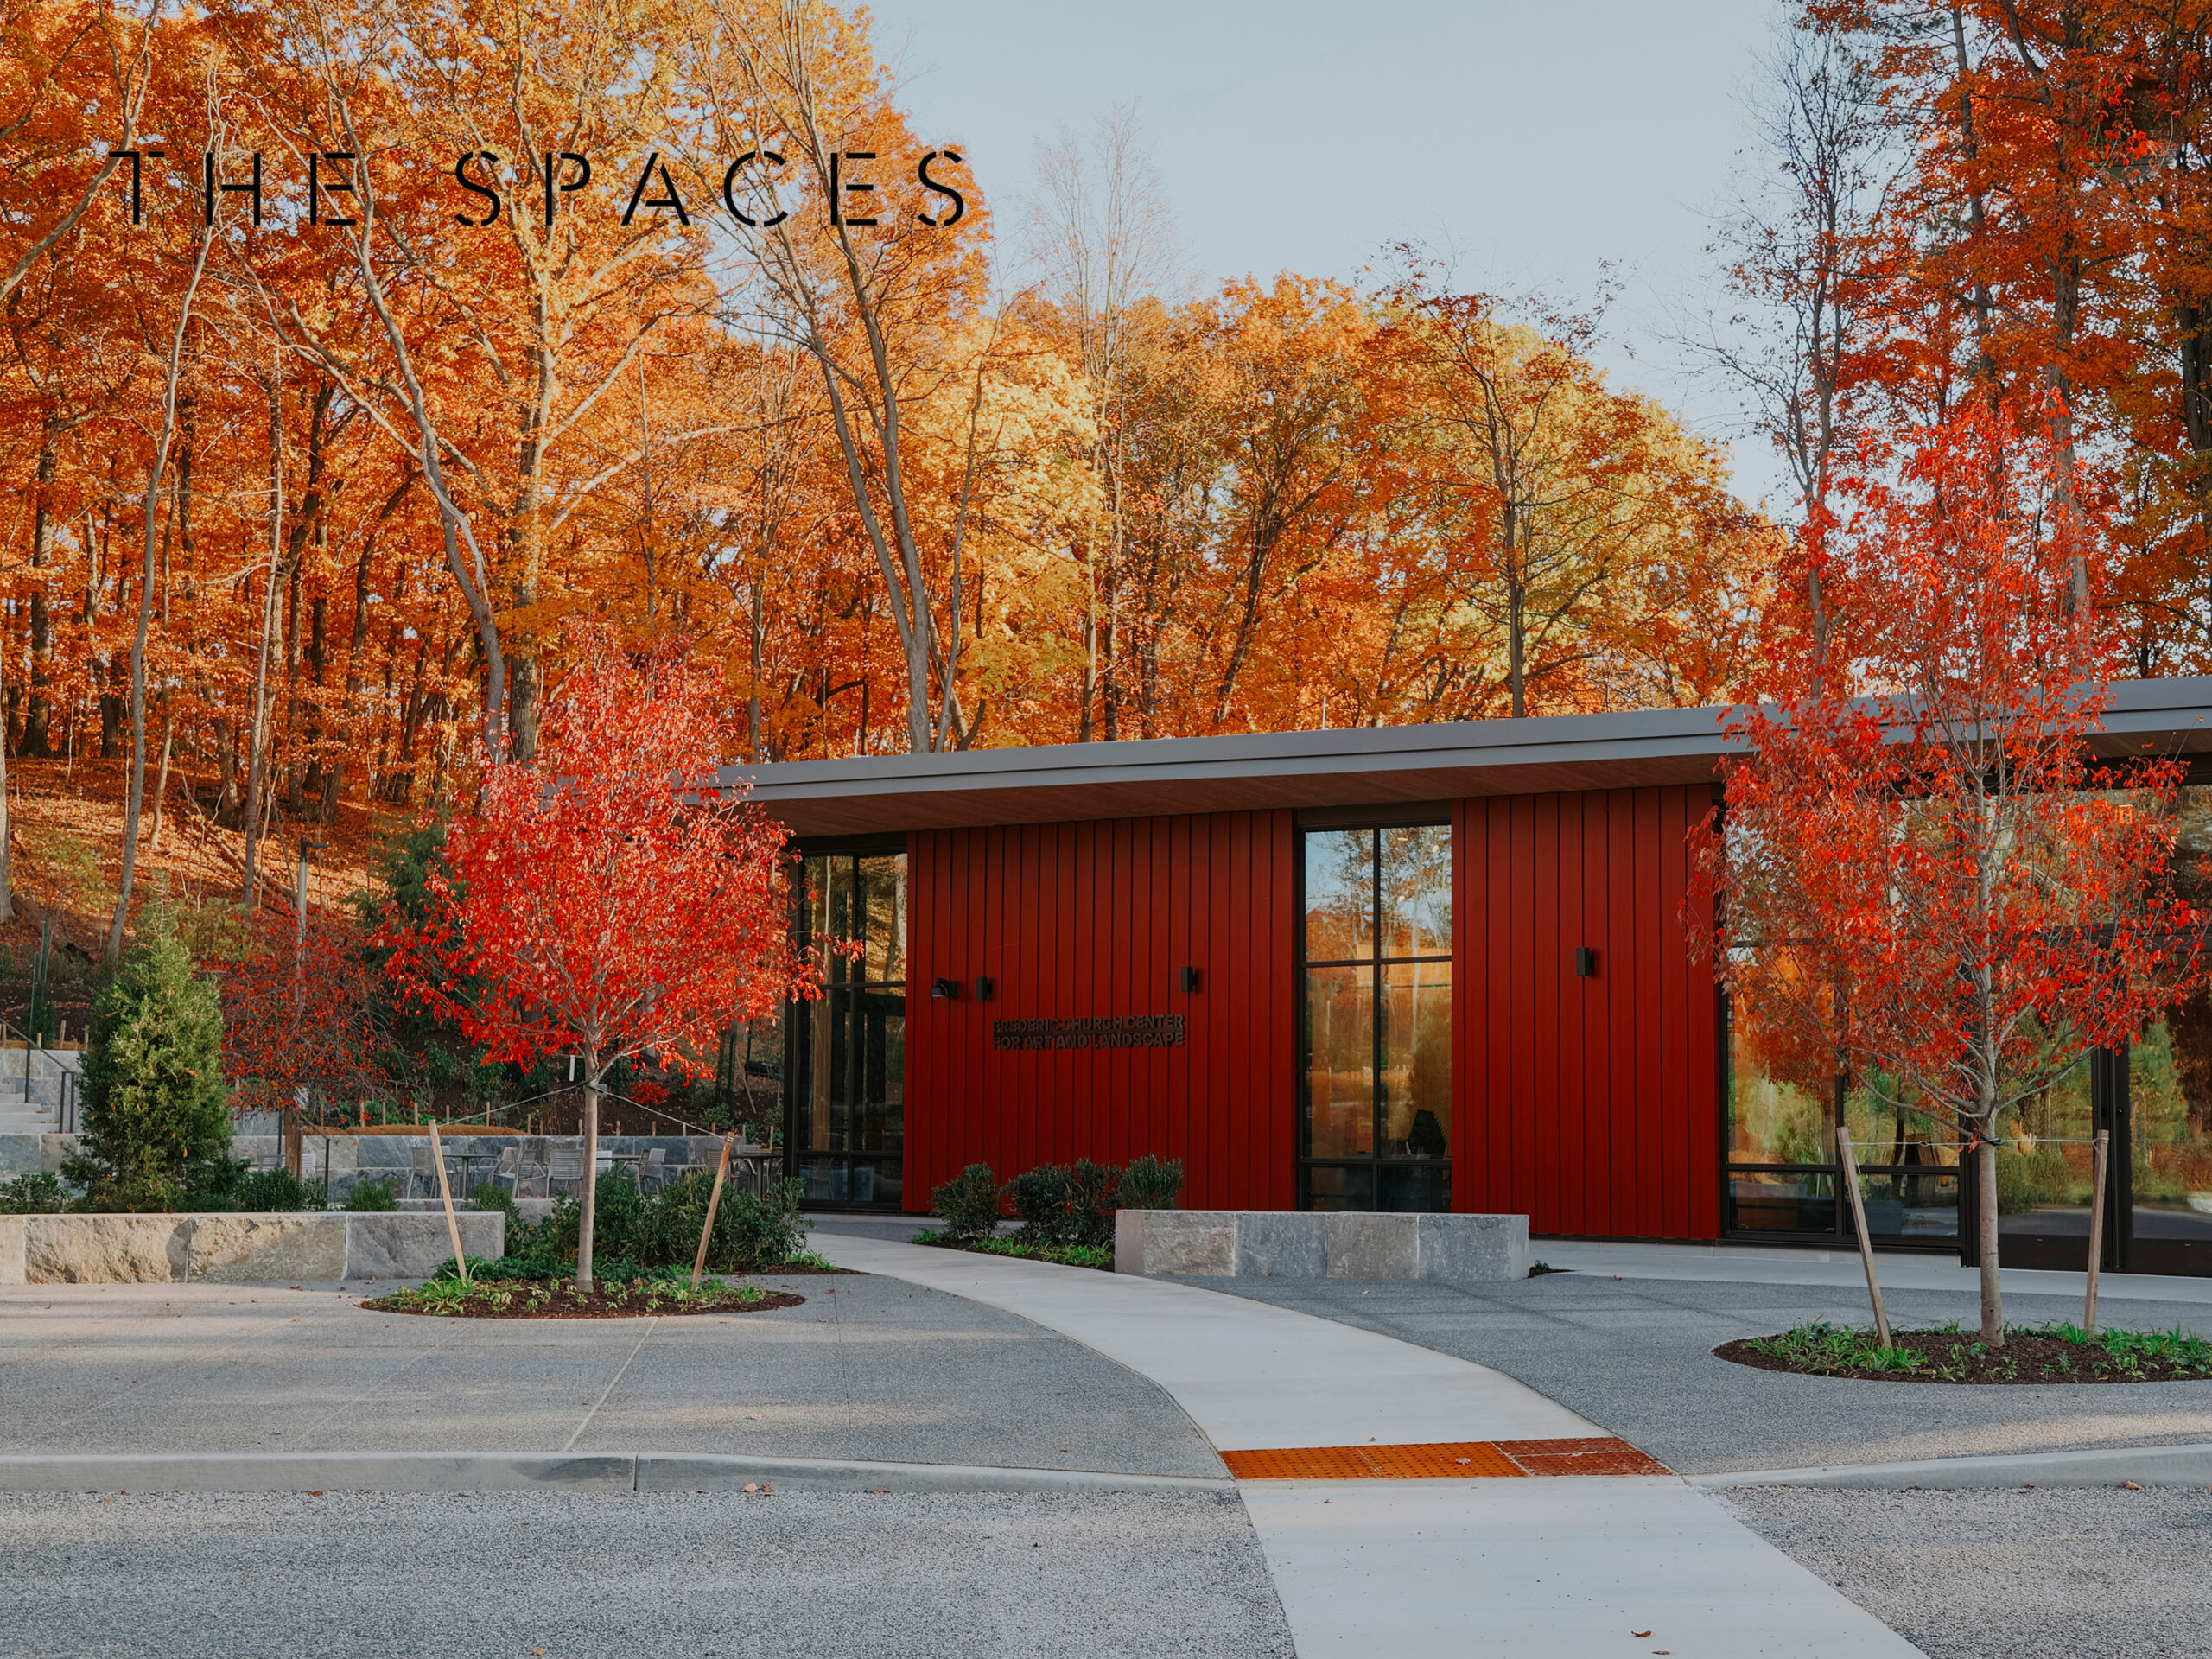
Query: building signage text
[{"x": 1117, "y": 1031}]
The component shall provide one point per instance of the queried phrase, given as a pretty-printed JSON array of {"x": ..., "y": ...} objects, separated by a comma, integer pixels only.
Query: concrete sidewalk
[{"x": 1566, "y": 1566}]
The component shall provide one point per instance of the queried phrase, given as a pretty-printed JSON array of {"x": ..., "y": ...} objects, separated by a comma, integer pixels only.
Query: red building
[{"x": 1425, "y": 968}]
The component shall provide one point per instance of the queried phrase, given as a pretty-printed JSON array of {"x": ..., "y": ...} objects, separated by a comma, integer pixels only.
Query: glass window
[
  {"x": 1783, "y": 1172},
  {"x": 1340, "y": 1061},
  {"x": 1340, "y": 895},
  {"x": 2169, "y": 1100},
  {"x": 1416, "y": 891},
  {"x": 1375, "y": 1019}
]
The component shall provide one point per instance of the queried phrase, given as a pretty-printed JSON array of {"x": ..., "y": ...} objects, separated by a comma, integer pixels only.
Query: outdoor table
[{"x": 467, "y": 1161}]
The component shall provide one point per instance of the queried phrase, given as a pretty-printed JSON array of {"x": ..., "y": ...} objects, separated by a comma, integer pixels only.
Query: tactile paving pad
[
  {"x": 1599, "y": 1456},
  {"x": 1446, "y": 1460}
]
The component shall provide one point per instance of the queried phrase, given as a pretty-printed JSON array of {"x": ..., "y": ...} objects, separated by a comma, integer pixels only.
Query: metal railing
[{"x": 67, "y": 1116}]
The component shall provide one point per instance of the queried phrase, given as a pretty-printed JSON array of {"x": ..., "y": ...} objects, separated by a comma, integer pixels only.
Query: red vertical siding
[
  {"x": 1084, "y": 920},
  {"x": 1586, "y": 1104}
]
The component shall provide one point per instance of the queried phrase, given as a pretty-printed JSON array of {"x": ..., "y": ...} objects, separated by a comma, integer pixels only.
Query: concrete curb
[
  {"x": 504, "y": 1471},
  {"x": 2147, "y": 1466}
]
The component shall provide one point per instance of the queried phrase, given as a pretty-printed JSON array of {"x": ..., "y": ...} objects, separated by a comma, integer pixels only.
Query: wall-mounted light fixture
[
  {"x": 982, "y": 987},
  {"x": 949, "y": 989},
  {"x": 1190, "y": 980},
  {"x": 1585, "y": 961}
]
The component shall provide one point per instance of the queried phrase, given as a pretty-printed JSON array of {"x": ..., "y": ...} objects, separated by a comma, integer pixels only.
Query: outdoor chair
[
  {"x": 653, "y": 1173},
  {"x": 509, "y": 1169},
  {"x": 425, "y": 1173},
  {"x": 566, "y": 1168}
]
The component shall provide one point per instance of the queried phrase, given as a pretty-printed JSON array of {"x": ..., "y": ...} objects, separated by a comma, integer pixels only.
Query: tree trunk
[
  {"x": 38, "y": 716},
  {"x": 591, "y": 1164},
  {"x": 255, "y": 773},
  {"x": 1992, "y": 1288}
]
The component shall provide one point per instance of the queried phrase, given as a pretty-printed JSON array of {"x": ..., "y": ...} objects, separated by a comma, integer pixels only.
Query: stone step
[{"x": 28, "y": 1123}]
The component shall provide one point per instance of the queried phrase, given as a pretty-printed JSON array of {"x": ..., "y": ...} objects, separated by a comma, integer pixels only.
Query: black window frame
[{"x": 1422, "y": 815}]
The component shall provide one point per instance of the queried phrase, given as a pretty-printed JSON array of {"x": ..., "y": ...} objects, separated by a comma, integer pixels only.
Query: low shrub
[
  {"x": 499, "y": 1198},
  {"x": 36, "y": 1194},
  {"x": 969, "y": 1204},
  {"x": 1040, "y": 1198},
  {"x": 374, "y": 1196},
  {"x": 277, "y": 1189},
  {"x": 662, "y": 1229},
  {"x": 1091, "y": 1188},
  {"x": 1065, "y": 1206},
  {"x": 1151, "y": 1183}
]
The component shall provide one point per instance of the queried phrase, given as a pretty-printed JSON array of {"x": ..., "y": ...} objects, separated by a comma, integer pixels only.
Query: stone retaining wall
[
  {"x": 1310, "y": 1244},
  {"x": 236, "y": 1249}
]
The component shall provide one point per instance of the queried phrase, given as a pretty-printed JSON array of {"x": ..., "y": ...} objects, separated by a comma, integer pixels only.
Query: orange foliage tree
[
  {"x": 612, "y": 901},
  {"x": 1932, "y": 886}
]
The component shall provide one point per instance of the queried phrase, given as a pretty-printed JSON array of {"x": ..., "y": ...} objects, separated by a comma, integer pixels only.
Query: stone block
[
  {"x": 1474, "y": 1247},
  {"x": 11, "y": 1250},
  {"x": 1376, "y": 1245},
  {"x": 1154, "y": 1242},
  {"x": 403, "y": 1246},
  {"x": 262, "y": 1151},
  {"x": 1281, "y": 1244},
  {"x": 106, "y": 1249},
  {"x": 21, "y": 1154},
  {"x": 55, "y": 1150},
  {"x": 260, "y": 1249}
]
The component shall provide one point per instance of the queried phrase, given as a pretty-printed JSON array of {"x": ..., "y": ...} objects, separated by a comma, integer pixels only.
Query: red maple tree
[
  {"x": 1930, "y": 884},
  {"x": 612, "y": 900},
  {"x": 299, "y": 1015}
]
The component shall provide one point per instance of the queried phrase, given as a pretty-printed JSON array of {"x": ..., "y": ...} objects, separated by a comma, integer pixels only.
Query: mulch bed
[
  {"x": 519, "y": 1298},
  {"x": 1961, "y": 1356}
]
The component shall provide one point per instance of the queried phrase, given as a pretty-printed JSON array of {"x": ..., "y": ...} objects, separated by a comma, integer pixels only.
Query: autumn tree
[
  {"x": 611, "y": 902},
  {"x": 1933, "y": 886}
]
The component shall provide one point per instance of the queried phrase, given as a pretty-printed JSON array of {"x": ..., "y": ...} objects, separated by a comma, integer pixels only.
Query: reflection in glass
[
  {"x": 2045, "y": 1164},
  {"x": 1911, "y": 1203},
  {"x": 1416, "y": 891},
  {"x": 1340, "y": 1061},
  {"x": 1328, "y": 1188},
  {"x": 2170, "y": 1094},
  {"x": 1783, "y": 1202},
  {"x": 1773, "y": 1118},
  {"x": 1417, "y": 1060},
  {"x": 1423, "y": 1187},
  {"x": 1339, "y": 894}
]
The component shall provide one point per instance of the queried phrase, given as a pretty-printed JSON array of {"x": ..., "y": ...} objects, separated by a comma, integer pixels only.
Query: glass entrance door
[{"x": 845, "y": 1107}]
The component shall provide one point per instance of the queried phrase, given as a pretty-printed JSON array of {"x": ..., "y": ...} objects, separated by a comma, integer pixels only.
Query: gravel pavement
[
  {"x": 641, "y": 1577},
  {"x": 2072, "y": 1575},
  {"x": 869, "y": 1368}
]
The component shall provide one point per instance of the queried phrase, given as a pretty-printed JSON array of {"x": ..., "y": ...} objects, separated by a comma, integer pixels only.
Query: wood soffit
[{"x": 1064, "y": 783}]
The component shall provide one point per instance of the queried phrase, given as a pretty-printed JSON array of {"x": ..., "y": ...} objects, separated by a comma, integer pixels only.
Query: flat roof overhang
[{"x": 1354, "y": 766}]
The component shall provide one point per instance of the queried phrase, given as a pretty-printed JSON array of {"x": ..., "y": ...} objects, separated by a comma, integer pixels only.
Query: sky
[{"x": 1529, "y": 144}]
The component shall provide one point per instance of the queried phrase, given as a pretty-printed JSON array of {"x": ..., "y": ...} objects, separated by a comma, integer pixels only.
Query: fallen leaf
[
  {"x": 2129, "y": 1486},
  {"x": 1640, "y": 1633}
]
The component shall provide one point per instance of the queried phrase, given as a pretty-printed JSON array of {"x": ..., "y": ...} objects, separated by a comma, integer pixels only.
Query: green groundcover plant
[{"x": 2056, "y": 1352}]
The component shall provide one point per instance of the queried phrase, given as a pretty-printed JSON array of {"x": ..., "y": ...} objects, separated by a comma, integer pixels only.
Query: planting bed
[
  {"x": 562, "y": 1299},
  {"x": 2057, "y": 1353}
]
